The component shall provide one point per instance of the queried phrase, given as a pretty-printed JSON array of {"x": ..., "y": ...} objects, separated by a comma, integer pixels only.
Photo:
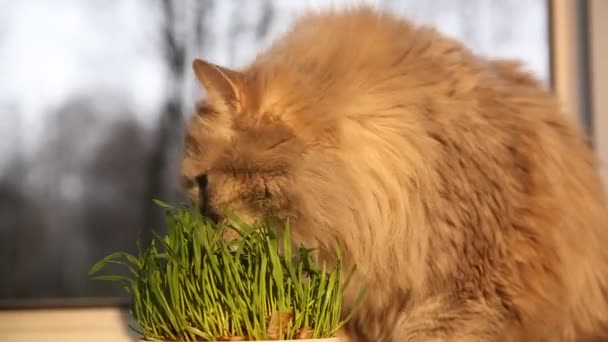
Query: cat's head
[{"x": 247, "y": 145}]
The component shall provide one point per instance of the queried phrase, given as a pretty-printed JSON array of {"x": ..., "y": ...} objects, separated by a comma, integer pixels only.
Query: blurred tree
[
  {"x": 266, "y": 19},
  {"x": 114, "y": 216},
  {"x": 182, "y": 29},
  {"x": 12, "y": 230},
  {"x": 15, "y": 264},
  {"x": 76, "y": 201}
]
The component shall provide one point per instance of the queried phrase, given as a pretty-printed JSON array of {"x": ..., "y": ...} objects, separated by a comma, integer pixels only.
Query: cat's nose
[{"x": 205, "y": 207}]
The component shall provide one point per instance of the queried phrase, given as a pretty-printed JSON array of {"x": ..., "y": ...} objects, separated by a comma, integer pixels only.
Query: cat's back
[
  {"x": 561, "y": 206},
  {"x": 487, "y": 146},
  {"x": 359, "y": 47}
]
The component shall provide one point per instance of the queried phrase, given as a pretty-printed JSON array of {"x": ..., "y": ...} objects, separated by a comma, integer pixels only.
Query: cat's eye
[{"x": 188, "y": 183}]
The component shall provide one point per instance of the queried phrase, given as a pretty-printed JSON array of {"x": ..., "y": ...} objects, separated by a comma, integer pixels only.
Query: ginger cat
[{"x": 471, "y": 207}]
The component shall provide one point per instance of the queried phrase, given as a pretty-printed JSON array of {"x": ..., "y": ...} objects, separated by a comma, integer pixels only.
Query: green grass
[{"x": 192, "y": 285}]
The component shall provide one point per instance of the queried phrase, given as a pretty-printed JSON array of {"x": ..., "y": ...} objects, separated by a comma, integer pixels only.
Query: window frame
[
  {"x": 579, "y": 68},
  {"x": 598, "y": 61},
  {"x": 568, "y": 46}
]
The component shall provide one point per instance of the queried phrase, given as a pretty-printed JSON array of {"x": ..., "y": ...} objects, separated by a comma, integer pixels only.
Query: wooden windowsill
[{"x": 66, "y": 325}]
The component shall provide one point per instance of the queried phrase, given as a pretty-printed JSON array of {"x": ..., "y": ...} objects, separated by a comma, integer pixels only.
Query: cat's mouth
[
  {"x": 209, "y": 213},
  {"x": 204, "y": 206}
]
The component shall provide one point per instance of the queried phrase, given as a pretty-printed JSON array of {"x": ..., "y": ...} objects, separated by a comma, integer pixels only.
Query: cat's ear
[{"x": 220, "y": 83}]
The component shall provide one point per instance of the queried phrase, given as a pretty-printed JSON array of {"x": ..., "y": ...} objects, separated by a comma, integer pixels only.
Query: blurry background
[{"x": 93, "y": 99}]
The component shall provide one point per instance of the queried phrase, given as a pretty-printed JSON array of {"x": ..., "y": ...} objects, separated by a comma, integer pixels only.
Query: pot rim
[{"x": 324, "y": 339}]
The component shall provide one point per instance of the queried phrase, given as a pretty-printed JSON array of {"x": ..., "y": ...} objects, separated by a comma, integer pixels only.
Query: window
[{"x": 95, "y": 107}]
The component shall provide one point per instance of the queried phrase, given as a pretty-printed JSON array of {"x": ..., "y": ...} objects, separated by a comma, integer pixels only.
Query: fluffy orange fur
[{"x": 471, "y": 207}]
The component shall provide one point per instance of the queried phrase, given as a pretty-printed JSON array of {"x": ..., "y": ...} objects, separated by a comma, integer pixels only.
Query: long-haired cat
[{"x": 470, "y": 206}]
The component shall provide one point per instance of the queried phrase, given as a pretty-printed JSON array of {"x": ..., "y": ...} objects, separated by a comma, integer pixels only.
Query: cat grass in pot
[{"x": 194, "y": 285}]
